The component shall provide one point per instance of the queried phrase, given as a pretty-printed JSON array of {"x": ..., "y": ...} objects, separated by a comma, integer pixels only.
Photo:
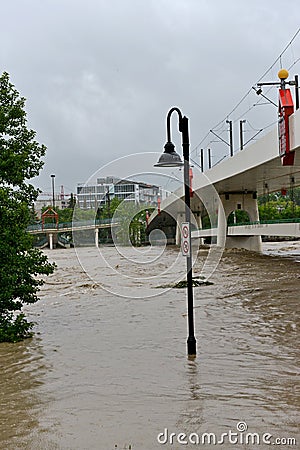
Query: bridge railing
[
  {"x": 266, "y": 222},
  {"x": 73, "y": 224},
  {"x": 257, "y": 222}
]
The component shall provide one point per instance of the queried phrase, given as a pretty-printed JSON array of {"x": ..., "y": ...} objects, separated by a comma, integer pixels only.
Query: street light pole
[
  {"x": 53, "y": 195},
  {"x": 171, "y": 159}
]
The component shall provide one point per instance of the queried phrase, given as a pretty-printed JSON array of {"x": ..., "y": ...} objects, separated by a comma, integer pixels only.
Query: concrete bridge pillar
[
  {"x": 179, "y": 221},
  {"x": 198, "y": 220},
  {"x": 222, "y": 225},
  {"x": 239, "y": 201},
  {"x": 97, "y": 237},
  {"x": 51, "y": 241}
]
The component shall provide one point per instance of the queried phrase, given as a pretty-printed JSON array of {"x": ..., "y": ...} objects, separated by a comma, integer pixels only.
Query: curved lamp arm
[{"x": 169, "y": 121}]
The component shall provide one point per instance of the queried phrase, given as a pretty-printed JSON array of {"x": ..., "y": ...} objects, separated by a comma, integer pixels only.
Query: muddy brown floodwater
[{"x": 106, "y": 370}]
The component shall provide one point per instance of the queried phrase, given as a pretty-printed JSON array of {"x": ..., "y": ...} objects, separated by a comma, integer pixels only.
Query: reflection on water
[
  {"x": 108, "y": 370},
  {"x": 21, "y": 374}
]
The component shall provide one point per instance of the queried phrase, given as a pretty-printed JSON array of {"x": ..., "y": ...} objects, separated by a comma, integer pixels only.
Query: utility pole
[
  {"x": 296, "y": 91},
  {"x": 230, "y": 137},
  {"x": 201, "y": 160},
  {"x": 241, "y": 133},
  {"x": 209, "y": 158}
]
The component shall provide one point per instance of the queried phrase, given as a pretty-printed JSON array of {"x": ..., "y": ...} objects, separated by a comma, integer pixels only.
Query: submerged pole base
[{"x": 191, "y": 347}]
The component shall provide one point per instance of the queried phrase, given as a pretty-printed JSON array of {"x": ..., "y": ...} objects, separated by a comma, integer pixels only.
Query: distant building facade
[{"x": 93, "y": 196}]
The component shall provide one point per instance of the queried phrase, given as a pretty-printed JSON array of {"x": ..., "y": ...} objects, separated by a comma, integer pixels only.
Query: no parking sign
[{"x": 185, "y": 239}]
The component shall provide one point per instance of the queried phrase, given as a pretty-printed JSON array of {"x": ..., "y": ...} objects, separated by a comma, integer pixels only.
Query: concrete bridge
[{"x": 234, "y": 184}]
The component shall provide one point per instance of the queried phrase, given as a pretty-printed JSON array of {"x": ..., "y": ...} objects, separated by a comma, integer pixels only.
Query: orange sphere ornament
[{"x": 283, "y": 74}]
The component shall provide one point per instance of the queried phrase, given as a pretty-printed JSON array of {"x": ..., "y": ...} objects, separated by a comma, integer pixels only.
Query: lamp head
[{"x": 169, "y": 158}]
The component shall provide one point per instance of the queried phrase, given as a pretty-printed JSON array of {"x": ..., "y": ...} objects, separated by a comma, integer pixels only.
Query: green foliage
[
  {"x": 240, "y": 217},
  {"x": 20, "y": 154},
  {"x": 292, "y": 195},
  {"x": 83, "y": 214},
  {"x": 65, "y": 215},
  {"x": 206, "y": 221},
  {"x": 276, "y": 206},
  {"x": 14, "y": 329},
  {"x": 277, "y": 210},
  {"x": 108, "y": 210},
  {"x": 132, "y": 223},
  {"x": 33, "y": 216},
  {"x": 20, "y": 160},
  {"x": 72, "y": 202}
]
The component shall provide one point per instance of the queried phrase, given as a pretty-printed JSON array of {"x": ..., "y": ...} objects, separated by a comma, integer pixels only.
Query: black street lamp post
[{"x": 171, "y": 159}]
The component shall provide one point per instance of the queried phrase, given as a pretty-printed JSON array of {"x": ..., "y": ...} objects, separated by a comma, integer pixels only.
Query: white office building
[{"x": 93, "y": 196}]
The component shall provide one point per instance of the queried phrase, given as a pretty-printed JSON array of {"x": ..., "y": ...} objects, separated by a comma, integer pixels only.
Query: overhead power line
[{"x": 278, "y": 59}]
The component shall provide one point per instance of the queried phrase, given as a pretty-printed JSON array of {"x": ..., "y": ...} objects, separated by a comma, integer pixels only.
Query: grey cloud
[{"x": 100, "y": 76}]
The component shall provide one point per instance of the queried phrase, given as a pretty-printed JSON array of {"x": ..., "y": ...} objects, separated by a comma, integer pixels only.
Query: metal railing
[
  {"x": 266, "y": 222},
  {"x": 73, "y": 224},
  {"x": 256, "y": 222}
]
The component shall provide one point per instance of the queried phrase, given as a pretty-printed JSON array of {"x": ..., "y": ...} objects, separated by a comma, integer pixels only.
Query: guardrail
[
  {"x": 266, "y": 222},
  {"x": 73, "y": 224},
  {"x": 257, "y": 222}
]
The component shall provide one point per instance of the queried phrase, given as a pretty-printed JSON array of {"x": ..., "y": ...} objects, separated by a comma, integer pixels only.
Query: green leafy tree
[
  {"x": 131, "y": 219},
  {"x": 279, "y": 209},
  {"x": 240, "y": 217},
  {"x": 65, "y": 215},
  {"x": 21, "y": 265},
  {"x": 72, "y": 201},
  {"x": 108, "y": 210}
]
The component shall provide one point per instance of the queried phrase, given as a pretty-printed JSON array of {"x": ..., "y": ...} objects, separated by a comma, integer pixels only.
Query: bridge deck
[
  {"x": 264, "y": 228},
  {"x": 70, "y": 226}
]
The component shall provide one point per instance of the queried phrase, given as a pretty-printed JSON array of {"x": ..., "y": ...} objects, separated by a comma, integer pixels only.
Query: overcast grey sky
[{"x": 100, "y": 75}]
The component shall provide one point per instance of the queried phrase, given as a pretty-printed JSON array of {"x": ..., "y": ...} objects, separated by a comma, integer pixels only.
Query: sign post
[{"x": 185, "y": 239}]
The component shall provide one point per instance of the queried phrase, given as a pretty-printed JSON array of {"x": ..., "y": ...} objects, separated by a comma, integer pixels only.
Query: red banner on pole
[{"x": 285, "y": 109}]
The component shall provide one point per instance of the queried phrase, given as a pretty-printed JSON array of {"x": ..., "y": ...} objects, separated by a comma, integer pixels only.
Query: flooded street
[{"x": 108, "y": 366}]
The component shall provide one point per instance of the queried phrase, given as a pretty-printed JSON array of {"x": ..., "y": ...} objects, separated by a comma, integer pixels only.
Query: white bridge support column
[
  {"x": 222, "y": 225},
  {"x": 51, "y": 241},
  {"x": 198, "y": 220},
  {"x": 239, "y": 201},
  {"x": 179, "y": 221},
  {"x": 97, "y": 237}
]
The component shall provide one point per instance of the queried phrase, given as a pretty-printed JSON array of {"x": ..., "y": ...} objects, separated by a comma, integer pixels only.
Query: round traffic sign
[
  {"x": 185, "y": 231},
  {"x": 185, "y": 247}
]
